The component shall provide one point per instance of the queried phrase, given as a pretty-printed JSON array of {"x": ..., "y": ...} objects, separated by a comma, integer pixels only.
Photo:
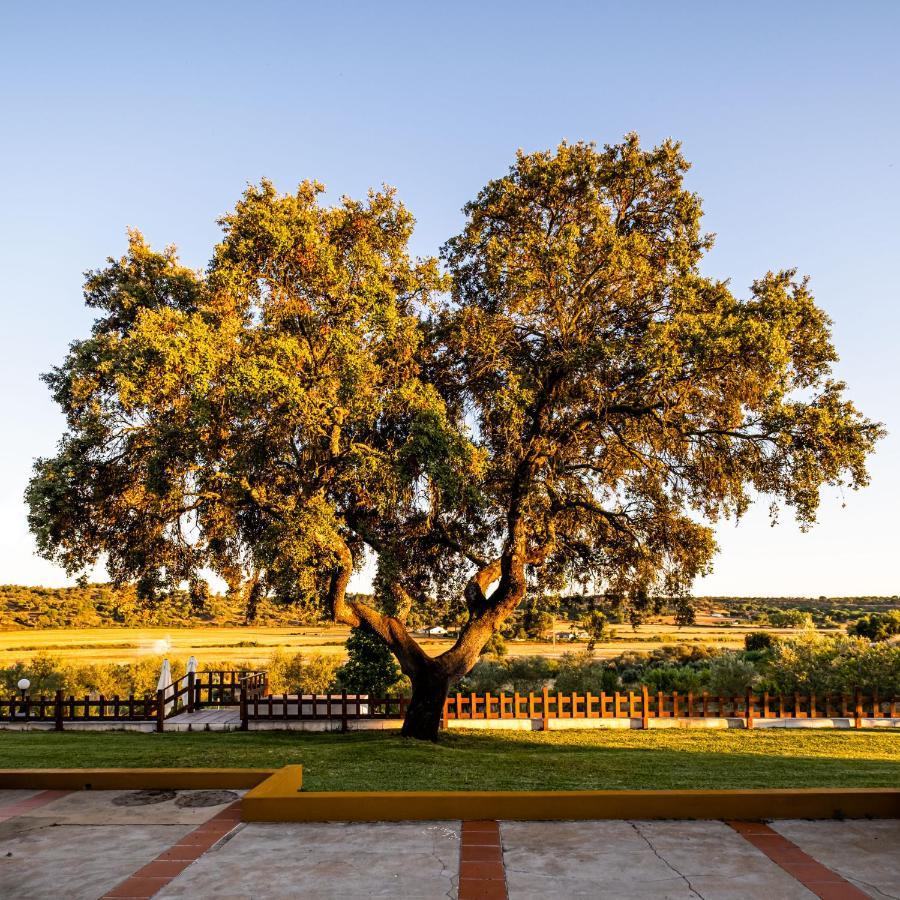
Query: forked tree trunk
[{"x": 426, "y": 708}]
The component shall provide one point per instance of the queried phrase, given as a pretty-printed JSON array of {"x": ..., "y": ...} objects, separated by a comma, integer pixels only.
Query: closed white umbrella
[
  {"x": 192, "y": 665},
  {"x": 165, "y": 684}
]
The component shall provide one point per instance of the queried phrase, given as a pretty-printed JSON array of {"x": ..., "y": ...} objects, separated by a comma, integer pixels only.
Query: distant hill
[{"x": 103, "y": 605}]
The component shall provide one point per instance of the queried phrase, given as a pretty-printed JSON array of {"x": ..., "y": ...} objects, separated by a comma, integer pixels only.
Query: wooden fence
[
  {"x": 214, "y": 688},
  {"x": 190, "y": 692},
  {"x": 249, "y": 691},
  {"x": 59, "y": 708},
  {"x": 642, "y": 704},
  {"x": 311, "y": 707}
]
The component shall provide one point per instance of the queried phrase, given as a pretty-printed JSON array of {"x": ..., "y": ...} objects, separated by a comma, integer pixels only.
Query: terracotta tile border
[
  {"x": 825, "y": 883},
  {"x": 20, "y": 807},
  {"x": 482, "y": 875},
  {"x": 154, "y": 876}
]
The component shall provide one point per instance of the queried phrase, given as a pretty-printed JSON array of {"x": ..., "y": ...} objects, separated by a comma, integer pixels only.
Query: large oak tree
[{"x": 570, "y": 401}]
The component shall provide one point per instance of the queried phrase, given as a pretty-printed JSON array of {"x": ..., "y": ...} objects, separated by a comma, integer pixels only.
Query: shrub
[
  {"x": 683, "y": 679},
  {"x": 790, "y": 618},
  {"x": 834, "y": 664},
  {"x": 877, "y": 626},
  {"x": 759, "y": 640},
  {"x": 496, "y": 646},
  {"x": 731, "y": 673},
  {"x": 582, "y": 673},
  {"x": 294, "y": 673},
  {"x": 529, "y": 673}
]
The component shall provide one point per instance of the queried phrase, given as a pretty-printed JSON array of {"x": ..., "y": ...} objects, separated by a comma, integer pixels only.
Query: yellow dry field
[{"x": 256, "y": 644}]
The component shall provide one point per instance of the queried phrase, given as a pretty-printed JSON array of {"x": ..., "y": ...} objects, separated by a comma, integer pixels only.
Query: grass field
[
  {"x": 256, "y": 644},
  {"x": 514, "y": 761}
]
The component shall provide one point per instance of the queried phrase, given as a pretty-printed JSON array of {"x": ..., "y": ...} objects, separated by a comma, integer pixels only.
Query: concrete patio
[{"x": 86, "y": 845}]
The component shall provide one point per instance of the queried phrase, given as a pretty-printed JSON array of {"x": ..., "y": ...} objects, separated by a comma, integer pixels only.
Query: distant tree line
[{"x": 106, "y": 606}]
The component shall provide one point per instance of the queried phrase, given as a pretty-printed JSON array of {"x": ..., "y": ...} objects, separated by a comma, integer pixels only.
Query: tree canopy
[{"x": 569, "y": 400}]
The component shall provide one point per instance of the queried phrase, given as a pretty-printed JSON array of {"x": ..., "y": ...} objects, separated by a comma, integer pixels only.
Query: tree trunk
[{"x": 426, "y": 708}]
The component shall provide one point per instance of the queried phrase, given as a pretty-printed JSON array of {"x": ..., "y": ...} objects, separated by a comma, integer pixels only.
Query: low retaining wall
[
  {"x": 278, "y": 796},
  {"x": 281, "y": 798}
]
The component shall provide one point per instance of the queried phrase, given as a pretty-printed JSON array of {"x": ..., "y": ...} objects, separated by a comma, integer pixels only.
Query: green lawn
[{"x": 511, "y": 761}]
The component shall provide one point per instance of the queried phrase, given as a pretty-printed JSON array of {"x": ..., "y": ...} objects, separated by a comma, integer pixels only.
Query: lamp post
[{"x": 23, "y": 685}]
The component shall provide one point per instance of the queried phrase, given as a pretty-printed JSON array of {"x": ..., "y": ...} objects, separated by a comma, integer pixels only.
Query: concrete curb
[{"x": 281, "y": 799}]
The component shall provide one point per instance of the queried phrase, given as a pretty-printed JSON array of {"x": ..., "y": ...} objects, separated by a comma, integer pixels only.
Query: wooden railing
[
  {"x": 248, "y": 690},
  {"x": 195, "y": 690},
  {"x": 59, "y": 708},
  {"x": 545, "y": 705},
  {"x": 644, "y": 704},
  {"x": 329, "y": 707},
  {"x": 190, "y": 692}
]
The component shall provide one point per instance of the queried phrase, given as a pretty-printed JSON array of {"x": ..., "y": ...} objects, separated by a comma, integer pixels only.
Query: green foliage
[
  {"x": 790, "y": 618},
  {"x": 370, "y": 667},
  {"x": 620, "y": 390},
  {"x": 537, "y": 623},
  {"x": 759, "y": 640},
  {"x": 877, "y": 626},
  {"x": 298, "y": 673},
  {"x": 582, "y": 673},
  {"x": 48, "y": 674},
  {"x": 731, "y": 674},
  {"x": 685, "y": 613},
  {"x": 596, "y": 626},
  {"x": 496, "y": 646},
  {"x": 523, "y": 674},
  {"x": 834, "y": 664},
  {"x": 676, "y": 678}
]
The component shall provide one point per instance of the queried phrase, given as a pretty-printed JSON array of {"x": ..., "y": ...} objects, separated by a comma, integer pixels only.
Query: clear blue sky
[{"x": 156, "y": 115}]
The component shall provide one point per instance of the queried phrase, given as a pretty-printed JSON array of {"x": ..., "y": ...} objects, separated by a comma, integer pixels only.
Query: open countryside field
[{"x": 256, "y": 644}]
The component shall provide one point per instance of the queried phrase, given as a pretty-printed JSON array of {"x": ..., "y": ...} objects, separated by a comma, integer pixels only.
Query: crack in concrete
[
  {"x": 853, "y": 879},
  {"x": 436, "y": 832},
  {"x": 662, "y": 859}
]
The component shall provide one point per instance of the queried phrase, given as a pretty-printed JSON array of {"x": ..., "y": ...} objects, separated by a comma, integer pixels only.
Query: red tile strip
[
  {"x": 170, "y": 864},
  {"x": 822, "y": 881},
  {"x": 482, "y": 875},
  {"x": 21, "y": 807}
]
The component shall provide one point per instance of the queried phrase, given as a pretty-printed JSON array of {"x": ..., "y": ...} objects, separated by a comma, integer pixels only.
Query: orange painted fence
[
  {"x": 645, "y": 704},
  {"x": 642, "y": 704}
]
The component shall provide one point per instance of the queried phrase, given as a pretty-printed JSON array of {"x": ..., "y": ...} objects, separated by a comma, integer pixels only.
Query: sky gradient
[{"x": 158, "y": 116}]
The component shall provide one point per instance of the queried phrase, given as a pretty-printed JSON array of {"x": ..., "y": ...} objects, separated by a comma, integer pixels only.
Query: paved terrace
[{"x": 95, "y": 844}]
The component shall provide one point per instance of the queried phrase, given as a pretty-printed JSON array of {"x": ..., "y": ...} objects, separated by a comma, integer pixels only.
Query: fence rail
[
  {"x": 644, "y": 705},
  {"x": 196, "y": 690},
  {"x": 189, "y": 693},
  {"x": 298, "y": 707},
  {"x": 249, "y": 691},
  {"x": 59, "y": 708},
  {"x": 545, "y": 705}
]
